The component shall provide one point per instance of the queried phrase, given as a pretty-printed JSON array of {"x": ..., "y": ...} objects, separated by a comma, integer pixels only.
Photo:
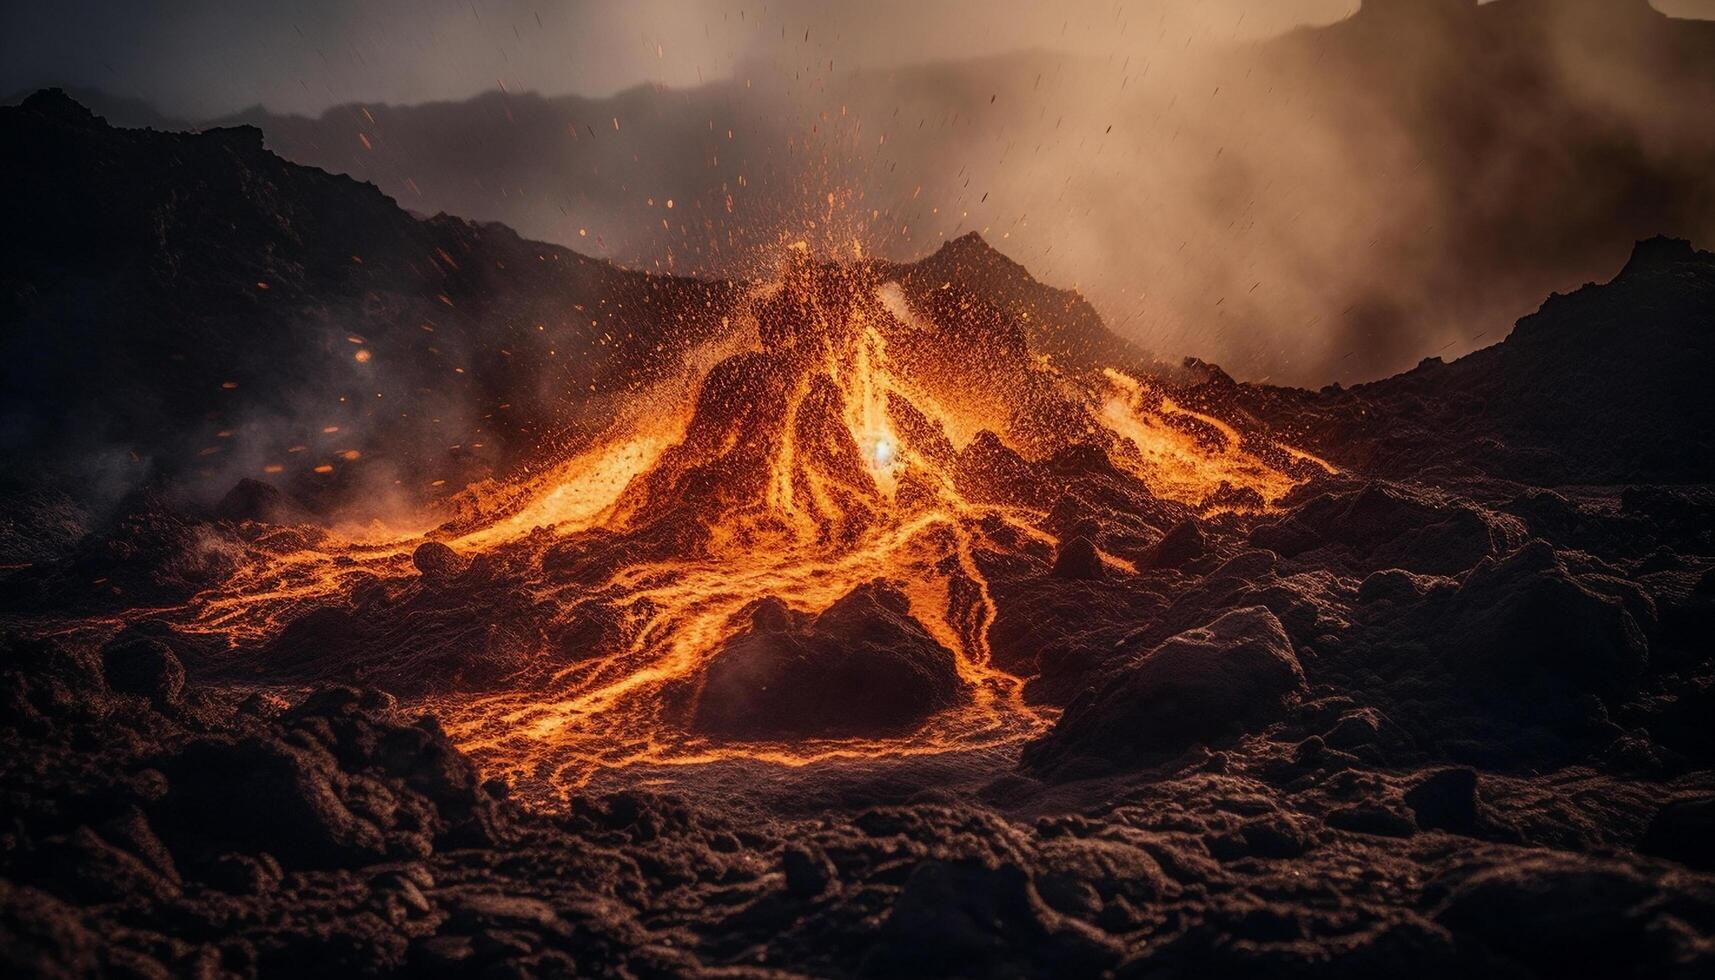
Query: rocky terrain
[{"x": 1446, "y": 709}]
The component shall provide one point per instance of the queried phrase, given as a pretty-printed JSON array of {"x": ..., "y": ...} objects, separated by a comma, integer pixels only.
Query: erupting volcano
[
  {"x": 786, "y": 552},
  {"x": 388, "y": 595}
]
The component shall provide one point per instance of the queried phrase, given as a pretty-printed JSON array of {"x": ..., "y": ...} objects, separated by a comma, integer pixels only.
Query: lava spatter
[{"x": 843, "y": 442}]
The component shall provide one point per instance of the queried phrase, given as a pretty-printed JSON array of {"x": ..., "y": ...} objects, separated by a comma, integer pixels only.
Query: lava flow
[{"x": 786, "y": 556}]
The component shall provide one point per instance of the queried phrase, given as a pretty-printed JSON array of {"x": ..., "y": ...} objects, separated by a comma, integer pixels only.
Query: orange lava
[{"x": 816, "y": 451}]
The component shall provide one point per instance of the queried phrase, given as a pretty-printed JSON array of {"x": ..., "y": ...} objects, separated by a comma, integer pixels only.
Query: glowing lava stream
[
  {"x": 792, "y": 546},
  {"x": 607, "y": 722},
  {"x": 801, "y": 466}
]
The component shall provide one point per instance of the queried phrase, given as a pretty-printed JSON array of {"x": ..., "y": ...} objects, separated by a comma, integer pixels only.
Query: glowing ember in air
[{"x": 849, "y": 449}]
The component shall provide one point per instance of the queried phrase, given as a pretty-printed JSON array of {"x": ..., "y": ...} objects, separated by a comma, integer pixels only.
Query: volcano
[
  {"x": 859, "y": 618},
  {"x": 862, "y": 447}
]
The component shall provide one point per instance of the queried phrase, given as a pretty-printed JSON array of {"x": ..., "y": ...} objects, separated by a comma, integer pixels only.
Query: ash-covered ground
[{"x": 1447, "y": 708}]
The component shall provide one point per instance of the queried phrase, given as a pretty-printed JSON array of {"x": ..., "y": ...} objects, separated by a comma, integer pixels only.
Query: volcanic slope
[{"x": 191, "y": 308}]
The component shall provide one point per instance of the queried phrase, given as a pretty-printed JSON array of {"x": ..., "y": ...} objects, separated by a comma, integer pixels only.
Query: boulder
[
  {"x": 1387, "y": 525},
  {"x": 1528, "y": 623},
  {"x": 1446, "y": 800},
  {"x": 863, "y": 667},
  {"x": 437, "y": 561},
  {"x": 1371, "y": 819},
  {"x": 1397, "y": 585},
  {"x": 808, "y": 872},
  {"x": 1232, "y": 675},
  {"x": 251, "y": 795},
  {"x": 1077, "y": 558},
  {"x": 1559, "y": 914},
  {"x": 146, "y": 667},
  {"x": 968, "y": 918},
  {"x": 1181, "y": 545}
]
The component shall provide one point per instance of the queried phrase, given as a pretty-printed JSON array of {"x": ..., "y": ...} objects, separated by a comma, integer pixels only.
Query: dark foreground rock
[
  {"x": 1528, "y": 622},
  {"x": 1389, "y": 526},
  {"x": 1230, "y": 676},
  {"x": 861, "y": 667}
]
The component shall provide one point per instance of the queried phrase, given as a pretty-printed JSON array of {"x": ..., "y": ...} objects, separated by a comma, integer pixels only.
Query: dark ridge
[{"x": 161, "y": 289}]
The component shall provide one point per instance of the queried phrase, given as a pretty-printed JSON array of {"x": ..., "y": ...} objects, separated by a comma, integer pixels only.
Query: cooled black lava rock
[
  {"x": 1371, "y": 819},
  {"x": 1231, "y": 675},
  {"x": 808, "y": 872},
  {"x": 251, "y": 795},
  {"x": 1398, "y": 586},
  {"x": 1684, "y": 831},
  {"x": 1528, "y": 623},
  {"x": 1184, "y": 543},
  {"x": 1384, "y": 525},
  {"x": 146, "y": 667},
  {"x": 1561, "y": 914},
  {"x": 1446, "y": 800},
  {"x": 861, "y": 667},
  {"x": 1077, "y": 558},
  {"x": 966, "y": 918}
]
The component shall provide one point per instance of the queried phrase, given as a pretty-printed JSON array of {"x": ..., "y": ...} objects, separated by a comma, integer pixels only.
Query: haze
[{"x": 1294, "y": 193}]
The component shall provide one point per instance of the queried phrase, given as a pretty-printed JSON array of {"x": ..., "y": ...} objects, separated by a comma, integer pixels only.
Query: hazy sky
[
  {"x": 1298, "y": 223},
  {"x": 199, "y": 58},
  {"x": 204, "y": 58}
]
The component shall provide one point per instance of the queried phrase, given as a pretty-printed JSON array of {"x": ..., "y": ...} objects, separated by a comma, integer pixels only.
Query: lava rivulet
[{"x": 841, "y": 439}]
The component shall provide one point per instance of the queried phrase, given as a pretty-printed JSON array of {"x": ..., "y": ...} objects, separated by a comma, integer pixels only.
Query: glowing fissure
[{"x": 803, "y": 467}]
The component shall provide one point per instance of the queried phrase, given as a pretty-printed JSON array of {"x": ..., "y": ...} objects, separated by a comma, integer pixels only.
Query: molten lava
[{"x": 837, "y": 438}]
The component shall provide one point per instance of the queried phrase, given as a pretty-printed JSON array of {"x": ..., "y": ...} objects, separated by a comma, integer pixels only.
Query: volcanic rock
[
  {"x": 1446, "y": 800},
  {"x": 150, "y": 551},
  {"x": 1383, "y": 525},
  {"x": 452, "y": 634},
  {"x": 1182, "y": 544},
  {"x": 1684, "y": 831},
  {"x": 1372, "y": 819},
  {"x": 253, "y": 795},
  {"x": 1555, "y": 914},
  {"x": 988, "y": 470},
  {"x": 808, "y": 872},
  {"x": 146, "y": 667},
  {"x": 39, "y": 524},
  {"x": 1229, "y": 676},
  {"x": 1526, "y": 621},
  {"x": 1398, "y": 586},
  {"x": 963, "y": 917},
  {"x": 863, "y": 667},
  {"x": 212, "y": 827},
  {"x": 212, "y": 238},
  {"x": 1077, "y": 558},
  {"x": 437, "y": 561}
]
